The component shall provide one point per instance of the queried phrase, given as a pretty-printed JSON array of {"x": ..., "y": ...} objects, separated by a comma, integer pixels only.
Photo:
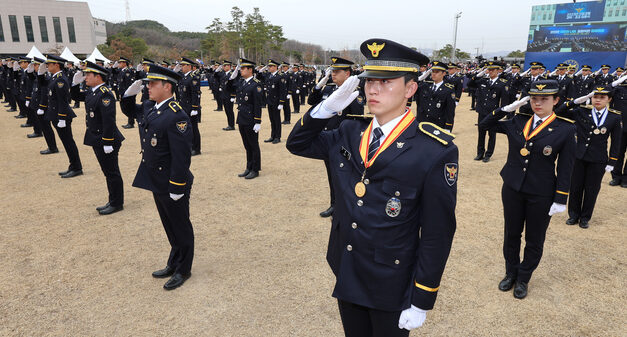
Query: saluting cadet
[
  {"x": 39, "y": 102},
  {"x": 564, "y": 82},
  {"x": 249, "y": 99},
  {"x": 532, "y": 192},
  {"x": 435, "y": 102},
  {"x": 286, "y": 74},
  {"x": 27, "y": 82},
  {"x": 604, "y": 79},
  {"x": 101, "y": 132},
  {"x": 583, "y": 83},
  {"x": 534, "y": 73},
  {"x": 491, "y": 93},
  {"x": 339, "y": 71},
  {"x": 304, "y": 88},
  {"x": 595, "y": 124},
  {"x": 60, "y": 113},
  {"x": 164, "y": 169},
  {"x": 619, "y": 103},
  {"x": 276, "y": 96},
  {"x": 12, "y": 68},
  {"x": 125, "y": 77},
  {"x": 189, "y": 98},
  {"x": 396, "y": 181},
  {"x": 297, "y": 83},
  {"x": 455, "y": 78},
  {"x": 227, "y": 96},
  {"x": 142, "y": 74}
]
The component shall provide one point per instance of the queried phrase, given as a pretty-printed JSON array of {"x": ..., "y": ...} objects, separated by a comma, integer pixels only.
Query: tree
[
  {"x": 447, "y": 53},
  {"x": 516, "y": 54}
]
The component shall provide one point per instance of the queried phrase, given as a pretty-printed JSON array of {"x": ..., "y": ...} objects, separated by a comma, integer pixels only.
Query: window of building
[
  {"x": 544, "y": 16},
  {"x": 533, "y": 17},
  {"x": 1, "y": 31},
  {"x": 610, "y": 14},
  {"x": 616, "y": 13},
  {"x": 28, "y": 23},
  {"x": 43, "y": 29},
  {"x": 15, "y": 34},
  {"x": 624, "y": 12},
  {"x": 70, "y": 29},
  {"x": 56, "y": 24},
  {"x": 550, "y": 16}
]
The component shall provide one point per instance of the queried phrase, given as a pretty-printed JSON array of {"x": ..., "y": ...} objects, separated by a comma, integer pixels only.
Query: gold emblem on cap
[
  {"x": 540, "y": 86},
  {"x": 600, "y": 88},
  {"x": 147, "y": 68},
  {"x": 334, "y": 59},
  {"x": 375, "y": 48}
]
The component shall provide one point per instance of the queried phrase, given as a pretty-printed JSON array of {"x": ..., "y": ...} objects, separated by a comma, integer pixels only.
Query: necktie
[
  {"x": 374, "y": 145},
  {"x": 537, "y": 124}
]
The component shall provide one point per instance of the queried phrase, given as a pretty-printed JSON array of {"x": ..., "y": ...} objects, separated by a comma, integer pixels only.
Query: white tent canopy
[
  {"x": 96, "y": 54},
  {"x": 67, "y": 54},
  {"x": 34, "y": 52}
]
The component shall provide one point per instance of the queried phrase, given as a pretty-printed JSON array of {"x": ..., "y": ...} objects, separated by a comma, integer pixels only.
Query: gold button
[
  {"x": 366, "y": 181},
  {"x": 397, "y": 193},
  {"x": 349, "y": 248},
  {"x": 397, "y": 262},
  {"x": 360, "y": 203},
  {"x": 354, "y": 225}
]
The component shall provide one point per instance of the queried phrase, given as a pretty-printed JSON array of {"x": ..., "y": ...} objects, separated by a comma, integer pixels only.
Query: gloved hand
[
  {"x": 596, "y": 73},
  {"x": 518, "y": 96},
  {"x": 557, "y": 208},
  {"x": 235, "y": 72},
  {"x": 133, "y": 89},
  {"x": 220, "y": 68},
  {"x": 232, "y": 100},
  {"x": 16, "y": 66},
  {"x": 30, "y": 68},
  {"x": 620, "y": 80},
  {"x": 27, "y": 103},
  {"x": 61, "y": 123},
  {"x": 139, "y": 67},
  {"x": 517, "y": 104},
  {"x": 297, "y": 91},
  {"x": 343, "y": 96},
  {"x": 107, "y": 149},
  {"x": 256, "y": 128},
  {"x": 175, "y": 197},
  {"x": 115, "y": 64},
  {"x": 481, "y": 73},
  {"x": 177, "y": 68},
  {"x": 412, "y": 318},
  {"x": 43, "y": 68},
  {"x": 263, "y": 69},
  {"x": 509, "y": 69},
  {"x": 553, "y": 72},
  {"x": 579, "y": 72},
  {"x": 194, "y": 112},
  {"x": 40, "y": 112},
  {"x": 325, "y": 79},
  {"x": 78, "y": 78},
  {"x": 456, "y": 103},
  {"x": 614, "y": 73},
  {"x": 609, "y": 168},
  {"x": 280, "y": 107},
  {"x": 424, "y": 75},
  {"x": 525, "y": 72},
  {"x": 583, "y": 99}
]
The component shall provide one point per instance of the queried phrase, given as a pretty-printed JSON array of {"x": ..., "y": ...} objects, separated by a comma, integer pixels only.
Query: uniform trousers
[
  {"x": 360, "y": 321},
  {"x": 330, "y": 180},
  {"x": 296, "y": 101},
  {"x": 481, "y": 150},
  {"x": 585, "y": 184},
  {"x": 287, "y": 111},
  {"x": 178, "y": 228},
  {"x": 275, "y": 121},
  {"x": 228, "y": 110},
  {"x": 195, "y": 133},
  {"x": 65, "y": 134},
  {"x": 109, "y": 166},
  {"x": 250, "y": 138},
  {"x": 531, "y": 213},
  {"x": 46, "y": 129},
  {"x": 620, "y": 169},
  {"x": 33, "y": 120}
]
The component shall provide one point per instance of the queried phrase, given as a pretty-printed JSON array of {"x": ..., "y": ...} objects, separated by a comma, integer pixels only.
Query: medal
[
  {"x": 528, "y": 134},
  {"x": 596, "y": 131},
  {"x": 524, "y": 152},
  {"x": 360, "y": 189},
  {"x": 393, "y": 207},
  {"x": 547, "y": 150},
  {"x": 603, "y": 130}
]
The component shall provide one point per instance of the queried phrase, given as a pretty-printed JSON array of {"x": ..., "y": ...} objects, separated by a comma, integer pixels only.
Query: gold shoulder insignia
[
  {"x": 436, "y": 133},
  {"x": 614, "y": 111},
  {"x": 104, "y": 89},
  {"x": 174, "y": 105},
  {"x": 566, "y": 119},
  {"x": 256, "y": 80},
  {"x": 448, "y": 85},
  {"x": 503, "y": 80}
]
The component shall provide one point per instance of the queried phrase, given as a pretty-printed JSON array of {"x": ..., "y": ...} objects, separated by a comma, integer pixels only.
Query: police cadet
[
  {"x": 39, "y": 103},
  {"x": 395, "y": 178},
  {"x": 595, "y": 124},
  {"x": 27, "y": 82},
  {"x": 304, "y": 88},
  {"x": 619, "y": 103},
  {"x": 455, "y": 78},
  {"x": 564, "y": 81},
  {"x": 583, "y": 82},
  {"x": 249, "y": 97},
  {"x": 125, "y": 77},
  {"x": 339, "y": 71},
  {"x": 435, "y": 102},
  {"x": 491, "y": 93},
  {"x": 228, "y": 97},
  {"x": 189, "y": 98},
  {"x": 604, "y": 79},
  {"x": 297, "y": 86},
  {"x": 166, "y": 141},
  {"x": 287, "y": 74},
  {"x": 142, "y": 74},
  {"x": 60, "y": 113},
  {"x": 102, "y": 134},
  {"x": 276, "y": 97},
  {"x": 531, "y": 192}
]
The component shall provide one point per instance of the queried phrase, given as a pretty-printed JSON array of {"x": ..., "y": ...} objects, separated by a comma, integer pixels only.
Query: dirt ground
[{"x": 259, "y": 267}]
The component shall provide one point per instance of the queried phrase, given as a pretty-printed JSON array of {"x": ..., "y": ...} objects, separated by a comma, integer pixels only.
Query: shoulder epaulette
[
  {"x": 104, "y": 89},
  {"x": 566, "y": 119},
  {"x": 436, "y": 132},
  {"x": 256, "y": 80},
  {"x": 614, "y": 111},
  {"x": 524, "y": 114},
  {"x": 175, "y": 106},
  {"x": 503, "y": 80},
  {"x": 449, "y": 85}
]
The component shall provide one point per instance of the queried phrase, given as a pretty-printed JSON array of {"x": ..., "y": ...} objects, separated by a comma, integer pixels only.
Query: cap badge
[
  {"x": 375, "y": 48},
  {"x": 540, "y": 86}
]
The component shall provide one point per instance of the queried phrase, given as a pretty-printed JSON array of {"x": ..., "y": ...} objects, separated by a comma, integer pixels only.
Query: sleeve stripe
[
  {"x": 425, "y": 288},
  {"x": 560, "y": 192},
  {"x": 63, "y": 115},
  {"x": 178, "y": 184},
  {"x": 103, "y": 138},
  {"x": 612, "y": 158}
]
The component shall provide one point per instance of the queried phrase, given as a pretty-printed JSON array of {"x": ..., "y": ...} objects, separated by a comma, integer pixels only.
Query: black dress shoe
[
  {"x": 110, "y": 209},
  {"x": 243, "y": 174},
  {"x": 176, "y": 281},
  {"x": 62, "y": 173},
  {"x": 252, "y": 175},
  {"x": 72, "y": 173},
  {"x": 584, "y": 224},
  {"x": 100, "y": 208},
  {"x": 285, "y": 122},
  {"x": 327, "y": 213},
  {"x": 26, "y": 125},
  {"x": 195, "y": 153},
  {"x": 33, "y": 135},
  {"x": 615, "y": 182},
  {"x": 276, "y": 140},
  {"x": 228, "y": 128},
  {"x": 217, "y": 110},
  {"x": 572, "y": 221},
  {"x": 507, "y": 283},
  {"x": 128, "y": 126},
  {"x": 479, "y": 157},
  {"x": 163, "y": 273},
  {"x": 269, "y": 140},
  {"x": 48, "y": 151},
  {"x": 18, "y": 116},
  {"x": 623, "y": 184},
  {"x": 486, "y": 159},
  {"x": 520, "y": 290}
]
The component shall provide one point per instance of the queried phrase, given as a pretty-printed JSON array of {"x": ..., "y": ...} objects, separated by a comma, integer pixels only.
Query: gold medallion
[
  {"x": 596, "y": 131},
  {"x": 360, "y": 189},
  {"x": 524, "y": 152}
]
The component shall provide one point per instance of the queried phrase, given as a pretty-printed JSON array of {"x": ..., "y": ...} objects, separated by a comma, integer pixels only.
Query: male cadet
[
  {"x": 27, "y": 80},
  {"x": 304, "y": 88},
  {"x": 60, "y": 113},
  {"x": 142, "y": 74},
  {"x": 297, "y": 86},
  {"x": 435, "y": 101},
  {"x": 339, "y": 71},
  {"x": 164, "y": 170},
  {"x": 619, "y": 103},
  {"x": 604, "y": 79},
  {"x": 101, "y": 132},
  {"x": 515, "y": 82},
  {"x": 276, "y": 97},
  {"x": 394, "y": 219},
  {"x": 39, "y": 103},
  {"x": 492, "y": 93},
  {"x": 289, "y": 84},
  {"x": 12, "y": 68},
  {"x": 20, "y": 78},
  {"x": 583, "y": 83},
  {"x": 189, "y": 98},
  {"x": 222, "y": 75},
  {"x": 455, "y": 78},
  {"x": 125, "y": 77},
  {"x": 249, "y": 99}
]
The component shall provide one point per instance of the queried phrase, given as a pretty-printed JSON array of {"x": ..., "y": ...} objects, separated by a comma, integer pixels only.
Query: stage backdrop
[{"x": 594, "y": 59}]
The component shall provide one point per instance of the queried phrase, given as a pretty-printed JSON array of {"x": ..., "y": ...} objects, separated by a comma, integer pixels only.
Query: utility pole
[
  {"x": 128, "y": 12},
  {"x": 453, "y": 56}
]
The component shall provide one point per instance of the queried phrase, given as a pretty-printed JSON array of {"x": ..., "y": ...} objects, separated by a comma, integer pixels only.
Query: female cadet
[{"x": 531, "y": 191}]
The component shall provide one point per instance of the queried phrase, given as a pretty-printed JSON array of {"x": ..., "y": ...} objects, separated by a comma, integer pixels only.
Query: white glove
[
  {"x": 579, "y": 72},
  {"x": 133, "y": 89},
  {"x": 509, "y": 69},
  {"x": 516, "y": 104},
  {"x": 139, "y": 67},
  {"x": 583, "y": 99},
  {"x": 525, "y": 72},
  {"x": 412, "y": 318},
  {"x": 175, "y": 197},
  {"x": 263, "y": 69},
  {"x": 27, "y": 103},
  {"x": 115, "y": 64},
  {"x": 194, "y": 112},
  {"x": 304, "y": 86},
  {"x": 325, "y": 79},
  {"x": 235, "y": 72},
  {"x": 40, "y": 112},
  {"x": 609, "y": 168},
  {"x": 232, "y": 100},
  {"x": 256, "y": 128},
  {"x": 557, "y": 208},
  {"x": 61, "y": 123},
  {"x": 289, "y": 96},
  {"x": 619, "y": 80},
  {"x": 42, "y": 69},
  {"x": 423, "y": 76},
  {"x": 280, "y": 107},
  {"x": 456, "y": 103},
  {"x": 297, "y": 91},
  {"x": 481, "y": 73},
  {"x": 16, "y": 66},
  {"x": 177, "y": 68},
  {"x": 343, "y": 96},
  {"x": 596, "y": 73},
  {"x": 518, "y": 96},
  {"x": 553, "y": 72},
  {"x": 107, "y": 149},
  {"x": 78, "y": 78},
  {"x": 220, "y": 68},
  {"x": 30, "y": 68},
  {"x": 614, "y": 73}
]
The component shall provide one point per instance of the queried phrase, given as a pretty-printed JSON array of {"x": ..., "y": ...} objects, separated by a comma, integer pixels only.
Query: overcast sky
[{"x": 490, "y": 25}]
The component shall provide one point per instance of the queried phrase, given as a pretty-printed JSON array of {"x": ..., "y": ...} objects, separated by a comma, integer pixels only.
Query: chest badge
[
  {"x": 246, "y": 98},
  {"x": 547, "y": 150},
  {"x": 181, "y": 126},
  {"x": 438, "y": 105},
  {"x": 399, "y": 145},
  {"x": 393, "y": 207},
  {"x": 106, "y": 102},
  {"x": 603, "y": 130},
  {"x": 91, "y": 114},
  {"x": 153, "y": 141}
]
